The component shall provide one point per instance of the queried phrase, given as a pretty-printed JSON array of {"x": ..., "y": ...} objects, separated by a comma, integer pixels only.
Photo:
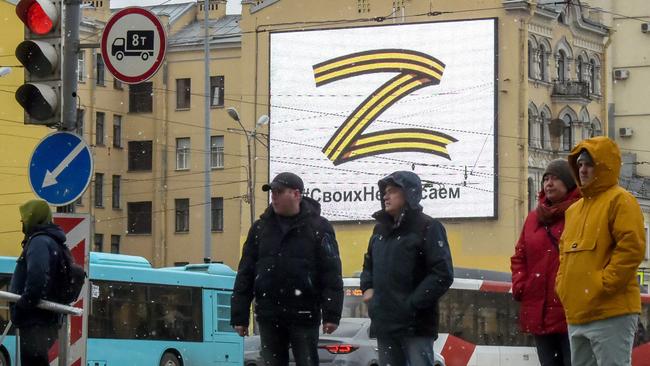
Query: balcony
[{"x": 571, "y": 91}]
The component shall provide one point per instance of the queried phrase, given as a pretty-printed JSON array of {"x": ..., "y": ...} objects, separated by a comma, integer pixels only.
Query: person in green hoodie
[{"x": 37, "y": 271}]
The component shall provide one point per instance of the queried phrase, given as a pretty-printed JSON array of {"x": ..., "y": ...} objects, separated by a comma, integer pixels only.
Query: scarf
[{"x": 548, "y": 212}]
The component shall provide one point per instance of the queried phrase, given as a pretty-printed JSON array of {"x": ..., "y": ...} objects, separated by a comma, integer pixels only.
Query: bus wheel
[
  {"x": 170, "y": 359},
  {"x": 3, "y": 359}
]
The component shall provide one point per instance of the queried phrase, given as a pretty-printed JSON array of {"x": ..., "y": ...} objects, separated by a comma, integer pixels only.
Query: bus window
[
  {"x": 223, "y": 313},
  {"x": 139, "y": 311},
  {"x": 4, "y": 305},
  {"x": 482, "y": 318}
]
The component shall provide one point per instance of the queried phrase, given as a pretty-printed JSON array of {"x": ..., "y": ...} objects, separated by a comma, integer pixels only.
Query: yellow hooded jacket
[{"x": 603, "y": 242}]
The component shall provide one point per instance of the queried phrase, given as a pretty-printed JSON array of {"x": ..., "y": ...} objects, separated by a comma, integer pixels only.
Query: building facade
[
  {"x": 150, "y": 145},
  {"x": 549, "y": 68}
]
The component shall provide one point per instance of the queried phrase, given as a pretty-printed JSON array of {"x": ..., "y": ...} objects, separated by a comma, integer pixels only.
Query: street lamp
[{"x": 250, "y": 138}]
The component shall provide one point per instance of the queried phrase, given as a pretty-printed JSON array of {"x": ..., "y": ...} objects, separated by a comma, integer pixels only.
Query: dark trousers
[
  {"x": 275, "y": 339},
  {"x": 553, "y": 349},
  {"x": 402, "y": 351},
  {"x": 35, "y": 341}
]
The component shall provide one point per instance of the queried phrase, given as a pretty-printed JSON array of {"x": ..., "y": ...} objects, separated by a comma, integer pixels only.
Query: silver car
[{"x": 349, "y": 345}]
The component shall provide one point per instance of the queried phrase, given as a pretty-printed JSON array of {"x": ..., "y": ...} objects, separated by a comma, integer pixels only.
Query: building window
[
  {"x": 183, "y": 93},
  {"x": 182, "y": 215},
  {"x": 580, "y": 69},
  {"x": 117, "y": 84},
  {"x": 140, "y": 155},
  {"x": 141, "y": 98},
  {"x": 99, "y": 190},
  {"x": 81, "y": 66},
  {"x": 80, "y": 122},
  {"x": 543, "y": 61},
  {"x": 532, "y": 194},
  {"x": 139, "y": 217},
  {"x": 531, "y": 60},
  {"x": 531, "y": 128},
  {"x": 98, "y": 244},
  {"x": 99, "y": 128},
  {"x": 596, "y": 128},
  {"x": 217, "y": 84},
  {"x": 542, "y": 129},
  {"x": 561, "y": 66},
  {"x": 100, "y": 70},
  {"x": 593, "y": 77},
  {"x": 182, "y": 153},
  {"x": 566, "y": 133},
  {"x": 363, "y": 6},
  {"x": 115, "y": 244},
  {"x": 117, "y": 180},
  {"x": 117, "y": 130},
  {"x": 217, "y": 213},
  {"x": 216, "y": 152}
]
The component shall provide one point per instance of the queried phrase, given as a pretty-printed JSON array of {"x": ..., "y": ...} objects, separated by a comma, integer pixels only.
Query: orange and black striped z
[{"x": 415, "y": 70}]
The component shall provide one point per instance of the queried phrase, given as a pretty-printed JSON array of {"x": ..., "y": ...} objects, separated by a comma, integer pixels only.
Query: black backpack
[{"x": 69, "y": 278}]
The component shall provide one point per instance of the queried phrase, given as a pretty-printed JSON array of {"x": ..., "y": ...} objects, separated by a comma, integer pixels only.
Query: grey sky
[{"x": 233, "y": 6}]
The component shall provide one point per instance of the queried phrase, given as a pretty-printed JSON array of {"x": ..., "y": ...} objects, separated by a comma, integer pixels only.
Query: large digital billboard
[{"x": 349, "y": 106}]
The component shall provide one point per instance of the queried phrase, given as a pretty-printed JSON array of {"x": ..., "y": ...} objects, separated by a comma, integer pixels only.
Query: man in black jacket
[
  {"x": 37, "y": 273},
  {"x": 405, "y": 272},
  {"x": 290, "y": 264}
]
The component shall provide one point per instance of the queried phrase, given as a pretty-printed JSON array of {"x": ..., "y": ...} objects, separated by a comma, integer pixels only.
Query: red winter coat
[{"x": 534, "y": 267}]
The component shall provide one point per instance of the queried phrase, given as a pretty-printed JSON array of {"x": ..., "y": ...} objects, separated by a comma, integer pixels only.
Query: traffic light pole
[{"x": 70, "y": 31}]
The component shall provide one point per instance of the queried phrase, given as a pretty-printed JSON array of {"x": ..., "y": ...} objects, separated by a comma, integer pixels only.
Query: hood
[
  {"x": 409, "y": 182},
  {"x": 33, "y": 213},
  {"x": 52, "y": 230},
  {"x": 607, "y": 164}
]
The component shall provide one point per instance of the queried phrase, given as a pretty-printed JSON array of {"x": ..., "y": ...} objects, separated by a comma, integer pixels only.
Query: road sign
[
  {"x": 133, "y": 45},
  {"x": 77, "y": 231},
  {"x": 60, "y": 168}
]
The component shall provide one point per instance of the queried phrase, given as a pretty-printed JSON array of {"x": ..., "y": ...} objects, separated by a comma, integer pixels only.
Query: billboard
[{"x": 349, "y": 106}]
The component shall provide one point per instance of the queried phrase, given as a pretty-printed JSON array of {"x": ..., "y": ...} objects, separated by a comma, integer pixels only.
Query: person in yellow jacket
[{"x": 600, "y": 251}]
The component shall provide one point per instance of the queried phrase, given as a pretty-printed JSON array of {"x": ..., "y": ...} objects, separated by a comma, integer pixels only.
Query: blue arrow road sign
[{"x": 60, "y": 168}]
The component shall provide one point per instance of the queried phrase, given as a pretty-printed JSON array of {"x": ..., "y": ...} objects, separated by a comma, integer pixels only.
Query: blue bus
[{"x": 144, "y": 316}]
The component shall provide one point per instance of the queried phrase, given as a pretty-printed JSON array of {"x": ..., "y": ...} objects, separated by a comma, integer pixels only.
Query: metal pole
[
  {"x": 207, "y": 230},
  {"x": 251, "y": 200},
  {"x": 72, "y": 15}
]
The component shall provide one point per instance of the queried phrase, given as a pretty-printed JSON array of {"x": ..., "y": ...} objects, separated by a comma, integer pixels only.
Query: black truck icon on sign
[{"x": 137, "y": 43}]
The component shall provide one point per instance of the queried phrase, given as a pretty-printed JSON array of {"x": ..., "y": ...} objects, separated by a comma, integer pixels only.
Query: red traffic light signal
[
  {"x": 40, "y": 16},
  {"x": 40, "y": 54}
]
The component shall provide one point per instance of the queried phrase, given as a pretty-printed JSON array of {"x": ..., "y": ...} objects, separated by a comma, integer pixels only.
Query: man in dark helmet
[{"x": 405, "y": 272}]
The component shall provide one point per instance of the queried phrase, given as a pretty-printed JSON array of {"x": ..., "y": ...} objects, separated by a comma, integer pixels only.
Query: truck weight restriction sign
[{"x": 133, "y": 45}]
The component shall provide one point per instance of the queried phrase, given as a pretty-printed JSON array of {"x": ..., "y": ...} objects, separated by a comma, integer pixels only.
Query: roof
[
  {"x": 174, "y": 11},
  {"x": 222, "y": 30}
]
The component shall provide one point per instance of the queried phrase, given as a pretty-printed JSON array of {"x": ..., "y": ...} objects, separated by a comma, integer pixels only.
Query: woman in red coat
[{"x": 535, "y": 262}]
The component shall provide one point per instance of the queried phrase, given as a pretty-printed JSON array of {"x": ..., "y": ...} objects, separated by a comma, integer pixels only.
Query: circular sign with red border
[{"x": 133, "y": 45}]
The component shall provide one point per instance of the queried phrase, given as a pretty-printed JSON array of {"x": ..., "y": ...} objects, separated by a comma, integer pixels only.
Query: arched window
[
  {"x": 561, "y": 66},
  {"x": 532, "y": 126},
  {"x": 566, "y": 133},
  {"x": 543, "y": 118},
  {"x": 596, "y": 128},
  {"x": 593, "y": 77},
  {"x": 543, "y": 58},
  {"x": 580, "y": 71},
  {"x": 531, "y": 60},
  {"x": 532, "y": 194}
]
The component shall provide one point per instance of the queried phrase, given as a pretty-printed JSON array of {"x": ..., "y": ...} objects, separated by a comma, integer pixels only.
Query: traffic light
[{"x": 40, "y": 54}]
